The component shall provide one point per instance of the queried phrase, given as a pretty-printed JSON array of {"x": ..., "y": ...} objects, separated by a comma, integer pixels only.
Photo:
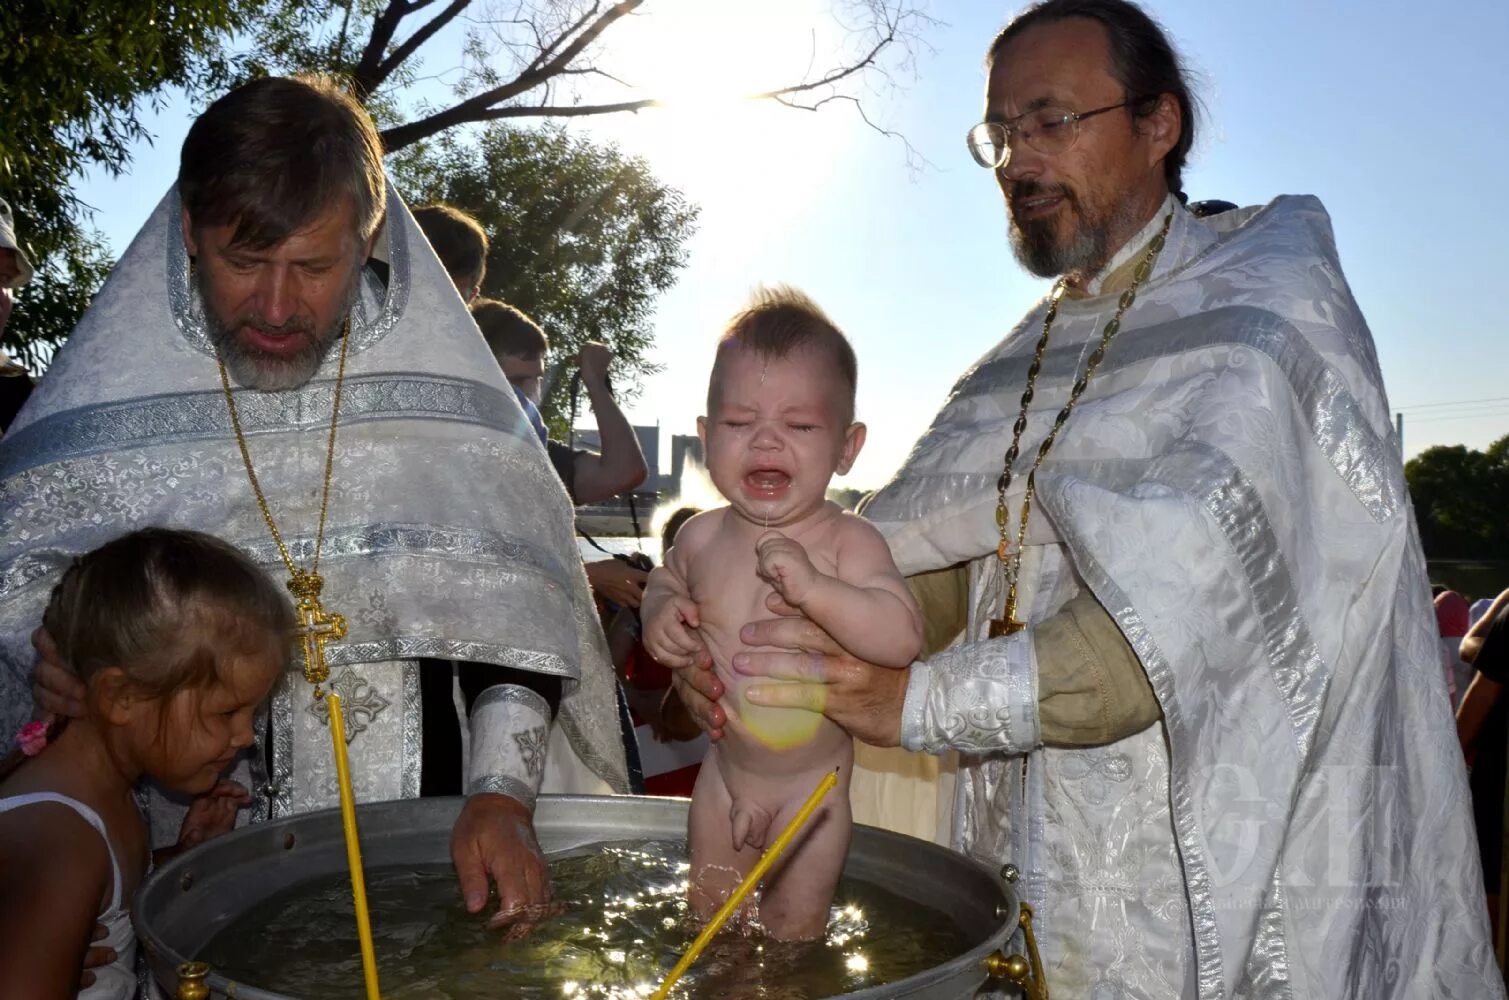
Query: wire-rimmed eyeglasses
[{"x": 1049, "y": 130}]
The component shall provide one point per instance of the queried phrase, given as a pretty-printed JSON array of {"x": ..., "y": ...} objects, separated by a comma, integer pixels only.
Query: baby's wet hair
[
  {"x": 780, "y": 321},
  {"x": 163, "y": 606}
]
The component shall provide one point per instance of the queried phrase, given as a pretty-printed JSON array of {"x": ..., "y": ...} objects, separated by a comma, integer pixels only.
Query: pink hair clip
[{"x": 33, "y": 737}]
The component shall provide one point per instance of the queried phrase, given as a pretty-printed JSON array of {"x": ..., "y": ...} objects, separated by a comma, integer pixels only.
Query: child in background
[
  {"x": 779, "y": 424},
  {"x": 179, "y": 637},
  {"x": 647, "y": 682},
  {"x": 670, "y": 743}
]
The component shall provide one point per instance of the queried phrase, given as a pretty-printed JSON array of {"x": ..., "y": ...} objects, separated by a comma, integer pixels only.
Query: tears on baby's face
[{"x": 777, "y": 433}]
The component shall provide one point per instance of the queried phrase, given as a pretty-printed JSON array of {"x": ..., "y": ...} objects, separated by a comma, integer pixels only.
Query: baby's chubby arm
[
  {"x": 866, "y": 607},
  {"x": 669, "y": 614}
]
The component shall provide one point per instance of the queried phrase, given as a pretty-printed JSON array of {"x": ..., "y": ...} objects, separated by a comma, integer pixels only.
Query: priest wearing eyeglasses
[{"x": 1187, "y": 696}]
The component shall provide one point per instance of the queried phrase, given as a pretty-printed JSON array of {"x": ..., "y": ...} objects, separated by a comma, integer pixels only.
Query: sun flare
[
  {"x": 695, "y": 55},
  {"x": 703, "y": 61}
]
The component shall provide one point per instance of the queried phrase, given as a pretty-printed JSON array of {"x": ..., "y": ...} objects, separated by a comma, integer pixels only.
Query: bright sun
[
  {"x": 702, "y": 57},
  {"x": 698, "y": 54}
]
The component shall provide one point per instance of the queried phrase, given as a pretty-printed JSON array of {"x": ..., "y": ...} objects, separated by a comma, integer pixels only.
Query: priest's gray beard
[
  {"x": 256, "y": 369},
  {"x": 1088, "y": 247}
]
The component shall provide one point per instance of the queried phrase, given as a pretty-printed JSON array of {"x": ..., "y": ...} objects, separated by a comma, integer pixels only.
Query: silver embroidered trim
[
  {"x": 176, "y": 418},
  {"x": 367, "y": 328},
  {"x": 257, "y": 761},
  {"x": 502, "y": 784},
  {"x": 1197, "y": 880},
  {"x": 614, "y": 771},
  {"x": 361, "y": 703},
  {"x": 420, "y": 647},
  {"x": 1268, "y": 966},
  {"x": 1337, "y": 423},
  {"x": 386, "y": 539},
  {"x": 982, "y": 699},
  {"x": 512, "y": 694},
  {"x": 914, "y": 707},
  {"x": 1210, "y": 478},
  {"x": 280, "y": 799},
  {"x": 509, "y": 728},
  {"x": 1021, "y": 689},
  {"x": 390, "y": 538},
  {"x": 373, "y": 315},
  {"x": 412, "y": 765}
]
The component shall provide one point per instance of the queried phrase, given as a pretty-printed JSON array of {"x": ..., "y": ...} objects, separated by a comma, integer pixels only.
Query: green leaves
[
  {"x": 73, "y": 78},
  {"x": 583, "y": 236},
  {"x": 1458, "y": 495}
]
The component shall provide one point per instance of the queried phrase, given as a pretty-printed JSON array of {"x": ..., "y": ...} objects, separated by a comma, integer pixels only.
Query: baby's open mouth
[{"x": 766, "y": 482}]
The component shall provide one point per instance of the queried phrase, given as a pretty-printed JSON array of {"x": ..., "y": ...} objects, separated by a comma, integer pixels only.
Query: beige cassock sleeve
[
  {"x": 943, "y": 596},
  {"x": 1092, "y": 689}
]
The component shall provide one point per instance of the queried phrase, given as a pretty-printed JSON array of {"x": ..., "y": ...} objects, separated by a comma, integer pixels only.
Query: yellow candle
[
  {"x": 750, "y": 881},
  {"x": 353, "y": 846}
]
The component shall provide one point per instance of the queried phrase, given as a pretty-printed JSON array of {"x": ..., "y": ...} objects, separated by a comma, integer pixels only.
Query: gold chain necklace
[
  {"x": 316, "y": 625},
  {"x": 1011, "y": 561}
]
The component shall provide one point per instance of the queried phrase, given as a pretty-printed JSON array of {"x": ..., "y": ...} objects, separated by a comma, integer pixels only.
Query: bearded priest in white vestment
[
  {"x": 282, "y": 270},
  {"x": 1205, "y": 734}
]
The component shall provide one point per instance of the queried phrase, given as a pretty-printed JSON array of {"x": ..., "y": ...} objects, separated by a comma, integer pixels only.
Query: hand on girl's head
[
  {"x": 159, "y": 645},
  {"x": 55, "y": 689}
]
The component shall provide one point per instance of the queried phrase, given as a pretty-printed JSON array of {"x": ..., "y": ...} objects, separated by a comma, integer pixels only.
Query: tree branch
[
  {"x": 387, "y": 66},
  {"x": 571, "y": 29},
  {"x": 364, "y": 77},
  {"x": 340, "y": 45},
  {"x": 474, "y": 108},
  {"x": 399, "y": 136},
  {"x": 835, "y": 75},
  {"x": 554, "y": 60},
  {"x": 594, "y": 71},
  {"x": 914, "y": 158}
]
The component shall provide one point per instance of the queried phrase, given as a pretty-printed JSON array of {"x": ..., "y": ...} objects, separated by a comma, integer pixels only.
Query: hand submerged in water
[{"x": 493, "y": 839}]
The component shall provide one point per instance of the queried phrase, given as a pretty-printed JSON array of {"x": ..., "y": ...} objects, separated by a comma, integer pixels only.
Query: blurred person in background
[{"x": 15, "y": 271}]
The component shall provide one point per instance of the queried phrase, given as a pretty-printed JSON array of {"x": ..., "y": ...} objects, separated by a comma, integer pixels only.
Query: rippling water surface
[{"x": 625, "y": 924}]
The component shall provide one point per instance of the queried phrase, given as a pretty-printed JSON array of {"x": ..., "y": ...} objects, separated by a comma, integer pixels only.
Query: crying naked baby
[{"x": 779, "y": 424}]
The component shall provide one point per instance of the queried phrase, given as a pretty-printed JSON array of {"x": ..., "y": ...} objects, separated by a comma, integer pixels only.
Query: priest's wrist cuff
[
  {"x": 510, "y": 727},
  {"x": 979, "y": 697}
]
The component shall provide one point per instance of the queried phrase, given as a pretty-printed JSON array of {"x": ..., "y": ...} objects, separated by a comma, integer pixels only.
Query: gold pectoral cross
[
  {"x": 316, "y": 625},
  {"x": 1005, "y": 626}
]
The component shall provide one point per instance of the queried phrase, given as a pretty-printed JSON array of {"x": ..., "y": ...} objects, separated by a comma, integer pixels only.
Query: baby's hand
[
  {"x": 670, "y": 632},
  {"x": 783, "y": 563},
  {"x": 213, "y": 813}
]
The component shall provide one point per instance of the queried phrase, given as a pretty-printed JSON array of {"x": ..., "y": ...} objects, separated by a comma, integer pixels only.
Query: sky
[{"x": 1392, "y": 113}]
